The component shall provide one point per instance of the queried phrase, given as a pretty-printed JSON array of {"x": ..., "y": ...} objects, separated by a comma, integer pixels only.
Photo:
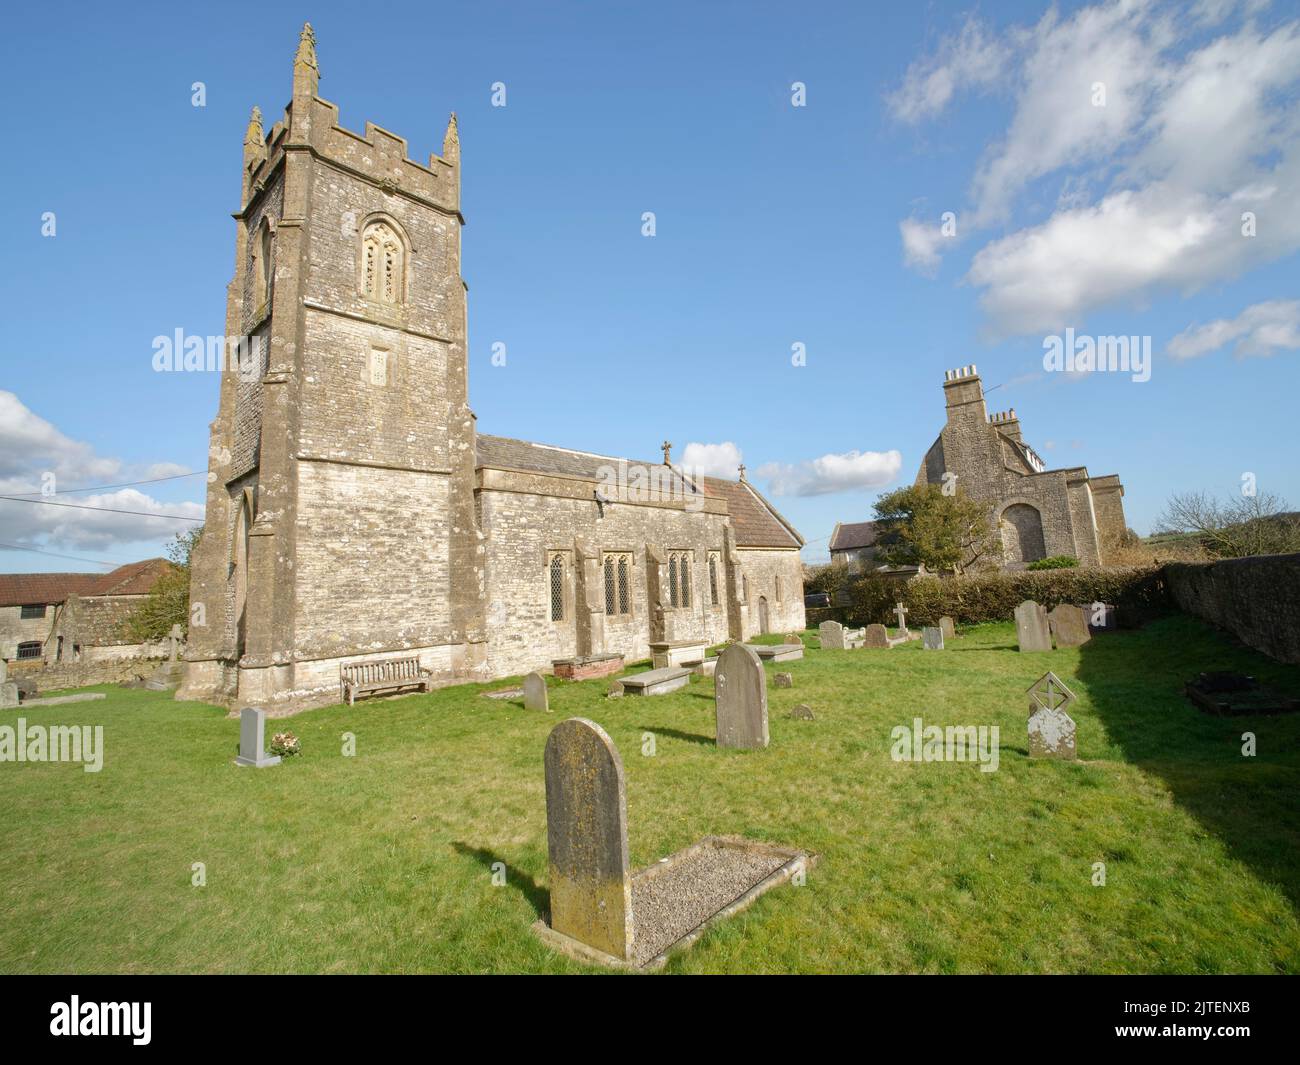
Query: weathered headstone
[
  {"x": 932, "y": 638},
  {"x": 793, "y": 637},
  {"x": 1031, "y": 627},
  {"x": 535, "y": 692},
  {"x": 900, "y": 612},
  {"x": 586, "y": 838},
  {"x": 740, "y": 698},
  {"x": 252, "y": 740},
  {"x": 947, "y": 627},
  {"x": 832, "y": 635},
  {"x": 1051, "y": 729},
  {"x": 875, "y": 636},
  {"x": 784, "y": 680},
  {"x": 1101, "y": 617},
  {"x": 615, "y": 689},
  {"x": 802, "y": 712},
  {"x": 1069, "y": 624}
]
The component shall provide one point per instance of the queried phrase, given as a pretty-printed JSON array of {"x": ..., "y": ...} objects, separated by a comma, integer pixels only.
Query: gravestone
[
  {"x": 174, "y": 640},
  {"x": 1051, "y": 729},
  {"x": 932, "y": 638},
  {"x": 535, "y": 693},
  {"x": 252, "y": 740},
  {"x": 586, "y": 838},
  {"x": 802, "y": 712},
  {"x": 832, "y": 636},
  {"x": 8, "y": 689},
  {"x": 1031, "y": 627},
  {"x": 1069, "y": 624},
  {"x": 792, "y": 637},
  {"x": 615, "y": 689},
  {"x": 1101, "y": 617},
  {"x": 875, "y": 636},
  {"x": 900, "y": 612},
  {"x": 740, "y": 698},
  {"x": 947, "y": 627},
  {"x": 784, "y": 680}
]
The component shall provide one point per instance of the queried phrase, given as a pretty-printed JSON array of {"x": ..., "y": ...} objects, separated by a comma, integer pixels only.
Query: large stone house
[
  {"x": 354, "y": 511},
  {"x": 1036, "y": 512},
  {"x": 52, "y": 618}
]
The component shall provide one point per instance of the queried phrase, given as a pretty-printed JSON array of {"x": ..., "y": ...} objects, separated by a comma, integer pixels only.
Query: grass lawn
[{"x": 382, "y": 862}]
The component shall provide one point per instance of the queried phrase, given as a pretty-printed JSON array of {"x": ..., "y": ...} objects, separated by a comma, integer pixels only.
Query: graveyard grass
[{"x": 383, "y": 862}]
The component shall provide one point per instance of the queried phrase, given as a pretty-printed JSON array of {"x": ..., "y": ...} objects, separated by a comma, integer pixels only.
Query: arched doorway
[
  {"x": 764, "y": 625},
  {"x": 1022, "y": 535}
]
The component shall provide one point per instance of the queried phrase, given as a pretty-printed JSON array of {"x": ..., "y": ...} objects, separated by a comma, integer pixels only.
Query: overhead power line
[
  {"x": 109, "y": 487},
  {"x": 102, "y": 510},
  {"x": 54, "y": 554}
]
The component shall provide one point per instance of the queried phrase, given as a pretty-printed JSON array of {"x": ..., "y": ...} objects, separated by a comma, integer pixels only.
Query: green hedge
[
  {"x": 1055, "y": 562},
  {"x": 994, "y": 596}
]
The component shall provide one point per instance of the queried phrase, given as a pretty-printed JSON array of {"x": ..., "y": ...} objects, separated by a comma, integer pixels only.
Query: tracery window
[
  {"x": 383, "y": 262},
  {"x": 617, "y": 586},
  {"x": 713, "y": 579},
  {"x": 679, "y": 578}
]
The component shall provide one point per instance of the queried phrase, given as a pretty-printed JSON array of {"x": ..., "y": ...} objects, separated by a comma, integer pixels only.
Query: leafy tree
[
  {"x": 1241, "y": 526},
  {"x": 168, "y": 603},
  {"x": 922, "y": 525}
]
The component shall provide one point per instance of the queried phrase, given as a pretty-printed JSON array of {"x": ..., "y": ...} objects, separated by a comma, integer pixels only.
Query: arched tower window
[
  {"x": 383, "y": 264},
  {"x": 262, "y": 275}
]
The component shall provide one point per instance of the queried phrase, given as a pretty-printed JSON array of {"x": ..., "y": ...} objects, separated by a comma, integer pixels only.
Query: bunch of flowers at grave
[{"x": 285, "y": 744}]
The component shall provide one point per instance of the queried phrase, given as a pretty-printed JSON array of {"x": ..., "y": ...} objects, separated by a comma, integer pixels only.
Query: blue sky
[{"x": 776, "y": 225}]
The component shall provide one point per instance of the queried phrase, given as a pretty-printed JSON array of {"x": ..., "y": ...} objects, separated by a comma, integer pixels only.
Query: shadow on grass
[
  {"x": 538, "y": 897},
  {"x": 677, "y": 734},
  {"x": 1251, "y": 804}
]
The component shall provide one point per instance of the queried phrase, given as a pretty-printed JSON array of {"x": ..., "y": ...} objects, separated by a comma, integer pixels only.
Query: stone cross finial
[
  {"x": 668, "y": 452},
  {"x": 741, "y": 470},
  {"x": 901, "y": 612}
]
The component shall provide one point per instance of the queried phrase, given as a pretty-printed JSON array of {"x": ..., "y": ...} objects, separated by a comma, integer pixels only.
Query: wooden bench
[{"x": 383, "y": 674}]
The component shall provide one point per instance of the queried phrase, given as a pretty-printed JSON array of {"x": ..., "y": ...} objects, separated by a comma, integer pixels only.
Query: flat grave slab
[
  {"x": 587, "y": 667},
  {"x": 657, "y": 681},
  {"x": 1233, "y": 694},
  {"x": 778, "y": 652},
  {"x": 675, "y": 900},
  {"x": 59, "y": 700},
  {"x": 665, "y": 653}
]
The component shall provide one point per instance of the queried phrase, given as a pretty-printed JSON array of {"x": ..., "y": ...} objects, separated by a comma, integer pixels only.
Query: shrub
[
  {"x": 1054, "y": 562},
  {"x": 983, "y": 597}
]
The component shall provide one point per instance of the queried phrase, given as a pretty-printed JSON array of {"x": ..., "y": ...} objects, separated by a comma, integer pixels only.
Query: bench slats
[{"x": 381, "y": 673}]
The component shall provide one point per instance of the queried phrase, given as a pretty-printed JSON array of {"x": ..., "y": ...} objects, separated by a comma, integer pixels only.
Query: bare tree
[{"x": 1257, "y": 524}]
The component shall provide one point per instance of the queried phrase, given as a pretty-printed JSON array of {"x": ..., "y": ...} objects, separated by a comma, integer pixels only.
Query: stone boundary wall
[
  {"x": 82, "y": 674},
  {"x": 1256, "y": 599}
]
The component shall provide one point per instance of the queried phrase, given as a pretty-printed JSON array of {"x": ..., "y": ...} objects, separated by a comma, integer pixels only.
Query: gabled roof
[
  {"x": 853, "y": 534},
  {"x": 754, "y": 520},
  {"x": 30, "y": 589}
]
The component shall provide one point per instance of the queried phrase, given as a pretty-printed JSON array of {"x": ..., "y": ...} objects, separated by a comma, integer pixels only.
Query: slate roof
[
  {"x": 755, "y": 521},
  {"x": 853, "y": 534},
  {"x": 135, "y": 578}
]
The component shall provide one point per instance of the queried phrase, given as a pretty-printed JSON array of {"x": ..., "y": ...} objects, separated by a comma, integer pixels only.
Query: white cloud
[
  {"x": 921, "y": 244},
  {"x": 832, "y": 473},
  {"x": 1193, "y": 133},
  {"x": 974, "y": 58},
  {"x": 711, "y": 460},
  {"x": 32, "y": 448},
  {"x": 1262, "y": 329}
]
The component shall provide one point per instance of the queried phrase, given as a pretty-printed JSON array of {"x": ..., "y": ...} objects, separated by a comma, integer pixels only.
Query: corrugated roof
[
  {"x": 853, "y": 534},
  {"x": 135, "y": 578}
]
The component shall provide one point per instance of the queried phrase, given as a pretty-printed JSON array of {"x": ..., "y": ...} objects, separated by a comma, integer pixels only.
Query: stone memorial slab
[
  {"x": 535, "y": 697},
  {"x": 778, "y": 652},
  {"x": 875, "y": 636},
  {"x": 1032, "y": 629},
  {"x": 803, "y": 712},
  {"x": 792, "y": 637},
  {"x": 252, "y": 740},
  {"x": 740, "y": 699},
  {"x": 1069, "y": 624},
  {"x": 947, "y": 627},
  {"x": 784, "y": 680},
  {"x": 615, "y": 689},
  {"x": 932, "y": 638},
  {"x": 657, "y": 681},
  {"x": 1051, "y": 729},
  {"x": 586, "y": 838},
  {"x": 832, "y": 636}
]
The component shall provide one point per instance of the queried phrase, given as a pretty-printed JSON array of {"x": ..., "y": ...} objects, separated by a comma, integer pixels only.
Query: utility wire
[
  {"x": 53, "y": 554},
  {"x": 102, "y": 510},
  {"x": 107, "y": 487}
]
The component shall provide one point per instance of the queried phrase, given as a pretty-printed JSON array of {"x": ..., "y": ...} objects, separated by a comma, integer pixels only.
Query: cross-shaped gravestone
[
  {"x": 1051, "y": 729},
  {"x": 901, "y": 612},
  {"x": 252, "y": 740}
]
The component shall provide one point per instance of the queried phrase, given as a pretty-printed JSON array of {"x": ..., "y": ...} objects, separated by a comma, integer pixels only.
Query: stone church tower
[{"x": 340, "y": 502}]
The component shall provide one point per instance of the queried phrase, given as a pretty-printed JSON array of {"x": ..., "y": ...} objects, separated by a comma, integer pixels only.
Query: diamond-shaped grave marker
[{"x": 1051, "y": 729}]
